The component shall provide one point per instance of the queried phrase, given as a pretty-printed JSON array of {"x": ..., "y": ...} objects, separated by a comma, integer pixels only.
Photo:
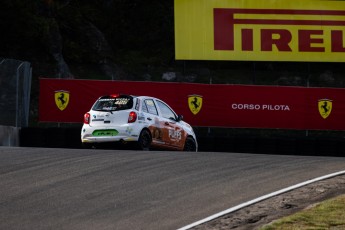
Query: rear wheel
[
  {"x": 190, "y": 145},
  {"x": 145, "y": 139}
]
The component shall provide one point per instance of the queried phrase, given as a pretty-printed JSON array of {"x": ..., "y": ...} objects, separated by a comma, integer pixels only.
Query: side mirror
[{"x": 179, "y": 118}]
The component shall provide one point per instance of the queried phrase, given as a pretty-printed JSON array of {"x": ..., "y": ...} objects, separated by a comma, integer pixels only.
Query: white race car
[{"x": 146, "y": 121}]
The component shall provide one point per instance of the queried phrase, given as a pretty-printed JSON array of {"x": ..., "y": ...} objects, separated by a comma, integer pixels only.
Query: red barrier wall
[{"x": 220, "y": 105}]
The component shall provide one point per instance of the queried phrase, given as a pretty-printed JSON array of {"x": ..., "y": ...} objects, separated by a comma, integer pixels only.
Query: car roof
[{"x": 128, "y": 95}]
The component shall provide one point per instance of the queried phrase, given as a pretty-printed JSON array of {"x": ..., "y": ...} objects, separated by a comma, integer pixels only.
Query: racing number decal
[{"x": 175, "y": 135}]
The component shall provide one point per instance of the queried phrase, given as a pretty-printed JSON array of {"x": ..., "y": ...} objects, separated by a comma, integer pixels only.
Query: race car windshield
[{"x": 113, "y": 103}]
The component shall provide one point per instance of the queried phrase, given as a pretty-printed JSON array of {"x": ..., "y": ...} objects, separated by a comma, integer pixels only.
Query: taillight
[
  {"x": 115, "y": 95},
  {"x": 132, "y": 117},
  {"x": 87, "y": 118}
]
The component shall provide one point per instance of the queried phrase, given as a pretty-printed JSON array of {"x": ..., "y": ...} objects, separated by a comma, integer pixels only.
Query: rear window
[{"x": 113, "y": 103}]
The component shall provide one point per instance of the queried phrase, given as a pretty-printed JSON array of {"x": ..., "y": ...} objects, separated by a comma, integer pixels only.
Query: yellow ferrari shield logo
[
  {"x": 195, "y": 103},
  {"x": 325, "y": 107},
  {"x": 61, "y": 99}
]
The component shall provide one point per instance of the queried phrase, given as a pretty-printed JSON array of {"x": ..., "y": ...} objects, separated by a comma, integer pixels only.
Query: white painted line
[{"x": 230, "y": 210}]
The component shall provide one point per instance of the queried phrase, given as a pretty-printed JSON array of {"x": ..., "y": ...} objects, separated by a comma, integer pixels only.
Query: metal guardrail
[
  {"x": 15, "y": 86},
  {"x": 9, "y": 136}
]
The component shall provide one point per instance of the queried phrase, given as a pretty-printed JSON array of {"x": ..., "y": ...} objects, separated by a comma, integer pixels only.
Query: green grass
[{"x": 329, "y": 214}]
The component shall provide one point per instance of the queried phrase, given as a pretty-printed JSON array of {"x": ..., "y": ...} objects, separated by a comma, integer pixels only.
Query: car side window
[
  {"x": 151, "y": 108},
  {"x": 144, "y": 107},
  {"x": 166, "y": 111},
  {"x": 137, "y": 105}
]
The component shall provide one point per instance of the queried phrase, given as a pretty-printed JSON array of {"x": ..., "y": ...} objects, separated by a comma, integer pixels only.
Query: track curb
[{"x": 259, "y": 199}]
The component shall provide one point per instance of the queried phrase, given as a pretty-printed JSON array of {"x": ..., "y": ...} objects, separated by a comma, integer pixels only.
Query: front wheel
[
  {"x": 145, "y": 139},
  {"x": 190, "y": 145}
]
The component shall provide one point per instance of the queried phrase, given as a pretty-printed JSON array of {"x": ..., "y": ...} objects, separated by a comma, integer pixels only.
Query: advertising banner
[
  {"x": 260, "y": 30},
  {"x": 207, "y": 105}
]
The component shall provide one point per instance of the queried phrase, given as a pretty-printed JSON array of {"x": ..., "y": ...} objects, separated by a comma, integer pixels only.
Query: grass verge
[{"x": 329, "y": 214}]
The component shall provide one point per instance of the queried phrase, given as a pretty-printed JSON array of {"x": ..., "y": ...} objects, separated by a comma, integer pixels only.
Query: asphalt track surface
[{"x": 115, "y": 189}]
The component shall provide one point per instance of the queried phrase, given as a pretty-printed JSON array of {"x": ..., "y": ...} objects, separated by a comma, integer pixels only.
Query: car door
[
  {"x": 172, "y": 131},
  {"x": 155, "y": 126}
]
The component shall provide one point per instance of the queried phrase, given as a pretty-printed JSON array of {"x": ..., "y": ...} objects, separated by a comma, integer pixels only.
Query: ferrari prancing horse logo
[
  {"x": 61, "y": 99},
  {"x": 195, "y": 103},
  {"x": 325, "y": 107}
]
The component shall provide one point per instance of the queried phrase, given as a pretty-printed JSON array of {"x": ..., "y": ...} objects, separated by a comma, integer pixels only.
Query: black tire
[
  {"x": 190, "y": 145},
  {"x": 145, "y": 140}
]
